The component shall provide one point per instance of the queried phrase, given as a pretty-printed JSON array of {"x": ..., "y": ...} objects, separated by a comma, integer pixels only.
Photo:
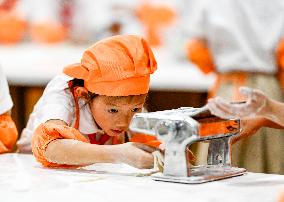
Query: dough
[{"x": 158, "y": 161}]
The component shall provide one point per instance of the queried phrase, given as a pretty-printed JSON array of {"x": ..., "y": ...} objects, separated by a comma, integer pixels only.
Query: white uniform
[
  {"x": 6, "y": 103},
  {"x": 92, "y": 19},
  {"x": 89, "y": 20},
  {"x": 57, "y": 103},
  {"x": 242, "y": 36},
  {"x": 249, "y": 44}
]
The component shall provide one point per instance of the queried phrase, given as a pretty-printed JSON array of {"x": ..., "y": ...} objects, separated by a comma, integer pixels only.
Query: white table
[
  {"x": 30, "y": 64},
  {"x": 23, "y": 179}
]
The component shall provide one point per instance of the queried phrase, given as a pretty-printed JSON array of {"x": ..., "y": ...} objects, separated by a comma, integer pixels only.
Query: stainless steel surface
[
  {"x": 180, "y": 128},
  {"x": 202, "y": 174}
]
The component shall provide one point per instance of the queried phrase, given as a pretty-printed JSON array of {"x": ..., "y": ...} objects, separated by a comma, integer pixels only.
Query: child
[
  {"x": 83, "y": 119},
  {"x": 12, "y": 22},
  {"x": 8, "y": 130}
]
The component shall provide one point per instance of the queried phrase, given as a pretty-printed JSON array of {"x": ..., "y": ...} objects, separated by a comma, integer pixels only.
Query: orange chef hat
[
  {"x": 154, "y": 17},
  {"x": 48, "y": 32},
  {"x": 117, "y": 66},
  {"x": 12, "y": 28}
]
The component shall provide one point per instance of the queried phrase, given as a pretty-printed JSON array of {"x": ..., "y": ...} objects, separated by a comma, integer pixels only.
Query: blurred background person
[
  {"x": 12, "y": 22},
  {"x": 147, "y": 18},
  {"x": 56, "y": 21},
  {"x": 39, "y": 21},
  {"x": 94, "y": 20},
  {"x": 156, "y": 16},
  {"x": 238, "y": 41},
  {"x": 84, "y": 21},
  {"x": 8, "y": 130},
  {"x": 49, "y": 21}
]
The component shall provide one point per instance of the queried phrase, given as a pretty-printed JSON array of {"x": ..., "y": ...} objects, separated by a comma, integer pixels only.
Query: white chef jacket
[
  {"x": 6, "y": 103},
  {"x": 57, "y": 102},
  {"x": 242, "y": 34}
]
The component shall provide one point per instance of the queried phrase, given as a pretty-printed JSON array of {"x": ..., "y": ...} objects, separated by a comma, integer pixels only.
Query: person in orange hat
[
  {"x": 154, "y": 17},
  {"x": 83, "y": 116},
  {"x": 49, "y": 21},
  {"x": 8, "y": 130},
  {"x": 13, "y": 24}
]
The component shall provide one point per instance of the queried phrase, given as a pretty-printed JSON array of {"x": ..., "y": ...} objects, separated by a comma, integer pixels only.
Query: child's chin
[{"x": 114, "y": 134}]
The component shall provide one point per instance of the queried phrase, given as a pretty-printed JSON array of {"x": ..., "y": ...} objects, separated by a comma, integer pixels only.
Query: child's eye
[
  {"x": 112, "y": 110},
  {"x": 135, "y": 109}
]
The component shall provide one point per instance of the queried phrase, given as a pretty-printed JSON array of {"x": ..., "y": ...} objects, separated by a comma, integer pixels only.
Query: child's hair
[{"x": 72, "y": 84}]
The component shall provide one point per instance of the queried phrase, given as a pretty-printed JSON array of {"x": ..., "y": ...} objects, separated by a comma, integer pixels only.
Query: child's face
[{"x": 113, "y": 114}]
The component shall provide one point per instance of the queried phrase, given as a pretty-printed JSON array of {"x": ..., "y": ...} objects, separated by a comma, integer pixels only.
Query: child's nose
[{"x": 124, "y": 121}]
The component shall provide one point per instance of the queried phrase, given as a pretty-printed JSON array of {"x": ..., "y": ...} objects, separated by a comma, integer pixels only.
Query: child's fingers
[
  {"x": 145, "y": 148},
  {"x": 252, "y": 94},
  {"x": 162, "y": 146},
  {"x": 246, "y": 91},
  {"x": 235, "y": 110},
  {"x": 226, "y": 107},
  {"x": 215, "y": 110}
]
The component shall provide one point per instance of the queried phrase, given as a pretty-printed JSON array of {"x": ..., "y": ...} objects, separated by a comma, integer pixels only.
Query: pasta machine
[{"x": 182, "y": 127}]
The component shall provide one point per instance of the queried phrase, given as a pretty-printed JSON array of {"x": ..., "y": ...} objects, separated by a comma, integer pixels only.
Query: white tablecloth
[
  {"x": 34, "y": 65},
  {"x": 22, "y": 179}
]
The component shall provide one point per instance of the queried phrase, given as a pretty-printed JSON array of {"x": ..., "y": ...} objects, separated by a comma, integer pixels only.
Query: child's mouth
[{"x": 117, "y": 132}]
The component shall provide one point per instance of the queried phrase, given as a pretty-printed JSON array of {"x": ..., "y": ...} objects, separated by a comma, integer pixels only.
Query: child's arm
[
  {"x": 250, "y": 126},
  {"x": 8, "y": 133},
  {"x": 73, "y": 152},
  {"x": 55, "y": 144},
  {"x": 275, "y": 114}
]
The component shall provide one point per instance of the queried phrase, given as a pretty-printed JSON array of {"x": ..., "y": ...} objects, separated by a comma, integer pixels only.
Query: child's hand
[
  {"x": 255, "y": 106},
  {"x": 137, "y": 155},
  {"x": 24, "y": 145}
]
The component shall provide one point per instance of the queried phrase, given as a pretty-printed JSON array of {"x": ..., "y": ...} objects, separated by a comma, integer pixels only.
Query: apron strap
[{"x": 77, "y": 110}]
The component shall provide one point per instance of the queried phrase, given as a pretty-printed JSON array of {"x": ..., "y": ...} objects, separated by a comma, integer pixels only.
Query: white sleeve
[
  {"x": 5, "y": 99},
  {"x": 56, "y": 103},
  {"x": 190, "y": 24}
]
